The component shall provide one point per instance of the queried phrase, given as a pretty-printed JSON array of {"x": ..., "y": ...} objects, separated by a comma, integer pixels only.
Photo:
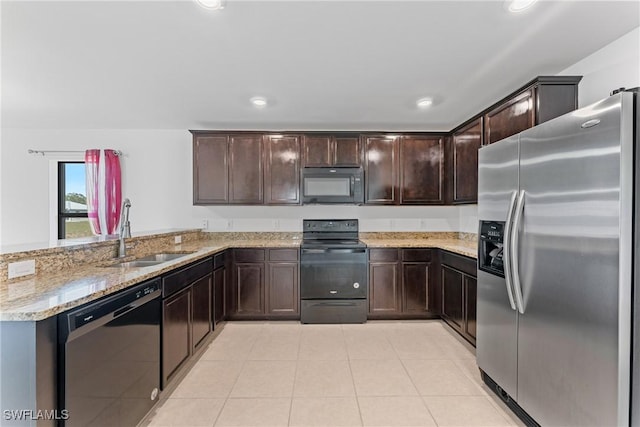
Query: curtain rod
[{"x": 43, "y": 152}]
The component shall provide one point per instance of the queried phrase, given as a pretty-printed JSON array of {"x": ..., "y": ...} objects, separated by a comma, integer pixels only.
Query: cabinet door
[
  {"x": 509, "y": 118},
  {"x": 249, "y": 289},
  {"x": 347, "y": 151},
  {"x": 201, "y": 312},
  {"x": 282, "y": 170},
  {"x": 210, "y": 169},
  {"x": 317, "y": 150},
  {"x": 415, "y": 288},
  {"x": 452, "y": 297},
  {"x": 465, "y": 145},
  {"x": 245, "y": 169},
  {"x": 176, "y": 333},
  {"x": 384, "y": 288},
  {"x": 381, "y": 165},
  {"x": 471, "y": 288},
  {"x": 219, "y": 283},
  {"x": 422, "y": 170},
  {"x": 282, "y": 288}
]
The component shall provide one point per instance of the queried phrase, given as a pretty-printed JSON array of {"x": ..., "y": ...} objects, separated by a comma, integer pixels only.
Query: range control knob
[{"x": 356, "y": 285}]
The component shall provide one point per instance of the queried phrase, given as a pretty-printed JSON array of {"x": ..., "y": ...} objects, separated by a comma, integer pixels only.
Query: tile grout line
[
  {"x": 353, "y": 381},
  {"x": 295, "y": 374},
  {"x": 424, "y": 404},
  {"x": 244, "y": 362}
]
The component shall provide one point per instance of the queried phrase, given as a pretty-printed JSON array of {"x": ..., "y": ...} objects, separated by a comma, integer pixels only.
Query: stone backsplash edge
[{"x": 61, "y": 258}]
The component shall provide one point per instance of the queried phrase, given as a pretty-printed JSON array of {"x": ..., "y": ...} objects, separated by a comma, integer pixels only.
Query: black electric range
[{"x": 333, "y": 272}]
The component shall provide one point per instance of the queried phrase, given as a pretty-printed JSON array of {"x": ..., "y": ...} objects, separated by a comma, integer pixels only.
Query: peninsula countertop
[{"x": 46, "y": 295}]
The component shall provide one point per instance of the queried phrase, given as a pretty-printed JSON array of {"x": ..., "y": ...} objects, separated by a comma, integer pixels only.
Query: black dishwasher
[{"x": 110, "y": 358}]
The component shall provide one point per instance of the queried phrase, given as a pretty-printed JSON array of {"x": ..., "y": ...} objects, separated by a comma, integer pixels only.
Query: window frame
[{"x": 62, "y": 215}]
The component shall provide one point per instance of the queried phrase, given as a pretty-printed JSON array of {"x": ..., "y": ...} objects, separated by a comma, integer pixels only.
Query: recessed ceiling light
[
  {"x": 424, "y": 102},
  {"x": 259, "y": 101},
  {"x": 212, "y": 4},
  {"x": 516, "y": 6}
]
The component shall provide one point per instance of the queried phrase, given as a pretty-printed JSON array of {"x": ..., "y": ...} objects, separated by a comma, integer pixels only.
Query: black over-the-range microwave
[{"x": 333, "y": 185}]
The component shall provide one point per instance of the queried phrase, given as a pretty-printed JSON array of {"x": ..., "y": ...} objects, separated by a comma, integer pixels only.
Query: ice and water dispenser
[{"x": 490, "y": 254}]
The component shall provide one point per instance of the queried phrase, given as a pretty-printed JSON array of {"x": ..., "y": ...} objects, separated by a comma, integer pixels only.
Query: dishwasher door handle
[{"x": 89, "y": 322}]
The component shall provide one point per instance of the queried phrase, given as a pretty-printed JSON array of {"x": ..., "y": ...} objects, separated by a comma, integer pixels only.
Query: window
[{"x": 72, "y": 201}]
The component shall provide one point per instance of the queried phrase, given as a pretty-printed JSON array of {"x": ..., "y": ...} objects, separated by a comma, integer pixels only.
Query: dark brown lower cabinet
[
  {"x": 186, "y": 315},
  {"x": 219, "y": 288},
  {"x": 201, "y": 312},
  {"x": 265, "y": 284},
  {"x": 470, "y": 298},
  {"x": 384, "y": 289},
  {"x": 415, "y": 287},
  {"x": 176, "y": 333},
  {"x": 452, "y": 297},
  {"x": 249, "y": 289},
  {"x": 401, "y": 284},
  {"x": 459, "y": 287},
  {"x": 283, "y": 288}
]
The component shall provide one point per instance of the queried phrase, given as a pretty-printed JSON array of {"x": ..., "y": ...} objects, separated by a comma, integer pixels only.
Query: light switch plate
[
  {"x": 178, "y": 240},
  {"x": 22, "y": 268}
]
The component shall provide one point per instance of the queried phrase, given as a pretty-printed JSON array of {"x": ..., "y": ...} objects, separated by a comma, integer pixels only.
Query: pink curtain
[{"x": 104, "y": 193}]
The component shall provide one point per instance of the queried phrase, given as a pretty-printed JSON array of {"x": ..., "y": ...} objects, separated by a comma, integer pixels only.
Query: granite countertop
[
  {"x": 46, "y": 295},
  {"x": 40, "y": 297},
  {"x": 467, "y": 248}
]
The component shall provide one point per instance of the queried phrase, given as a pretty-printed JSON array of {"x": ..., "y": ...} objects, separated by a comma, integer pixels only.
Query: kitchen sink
[
  {"x": 161, "y": 257},
  {"x": 135, "y": 264},
  {"x": 149, "y": 260}
]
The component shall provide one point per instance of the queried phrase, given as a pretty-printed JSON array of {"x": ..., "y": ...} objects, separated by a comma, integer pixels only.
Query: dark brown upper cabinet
[
  {"x": 422, "y": 171},
  {"x": 245, "y": 169},
  {"x": 509, "y": 118},
  {"x": 227, "y": 169},
  {"x": 282, "y": 169},
  {"x": 542, "y": 99},
  {"x": 382, "y": 169},
  {"x": 210, "y": 169},
  {"x": 331, "y": 150},
  {"x": 464, "y": 146}
]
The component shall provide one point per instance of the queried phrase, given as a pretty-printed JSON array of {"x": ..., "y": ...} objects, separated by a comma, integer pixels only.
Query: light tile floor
[{"x": 414, "y": 373}]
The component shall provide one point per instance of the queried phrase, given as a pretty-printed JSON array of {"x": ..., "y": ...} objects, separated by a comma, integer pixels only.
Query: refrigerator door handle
[
  {"x": 507, "y": 251},
  {"x": 514, "y": 240}
]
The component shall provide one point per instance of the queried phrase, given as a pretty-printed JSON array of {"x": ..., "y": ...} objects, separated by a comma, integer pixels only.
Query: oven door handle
[{"x": 334, "y": 251}]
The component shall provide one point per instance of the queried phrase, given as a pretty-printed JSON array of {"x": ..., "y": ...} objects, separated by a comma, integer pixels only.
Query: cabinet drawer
[
  {"x": 388, "y": 255},
  {"x": 462, "y": 263},
  {"x": 219, "y": 260},
  {"x": 173, "y": 282},
  {"x": 248, "y": 255},
  {"x": 416, "y": 254},
  {"x": 283, "y": 254}
]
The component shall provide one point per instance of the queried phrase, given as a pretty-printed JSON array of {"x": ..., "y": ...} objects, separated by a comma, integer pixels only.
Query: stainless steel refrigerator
[{"x": 558, "y": 266}]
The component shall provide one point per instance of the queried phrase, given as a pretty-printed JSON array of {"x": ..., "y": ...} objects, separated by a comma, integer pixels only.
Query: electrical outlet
[
  {"x": 21, "y": 268},
  {"x": 423, "y": 224},
  {"x": 392, "y": 224},
  {"x": 229, "y": 224},
  {"x": 276, "y": 224},
  {"x": 205, "y": 224},
  {"x": 177, "y": 240}
]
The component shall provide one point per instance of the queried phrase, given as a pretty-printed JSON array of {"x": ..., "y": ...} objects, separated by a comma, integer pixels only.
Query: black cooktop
[{"x": 325, "y": 233}]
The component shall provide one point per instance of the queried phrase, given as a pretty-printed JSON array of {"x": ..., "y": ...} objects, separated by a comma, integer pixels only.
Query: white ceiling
[{"x": 322, "y": 64}]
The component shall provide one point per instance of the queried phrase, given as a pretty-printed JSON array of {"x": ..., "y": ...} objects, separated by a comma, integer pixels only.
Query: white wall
[
  {"x": 615, "y": 65},
  {"x": 157, "y": 173},
  {"x": 157, "y": 177}
]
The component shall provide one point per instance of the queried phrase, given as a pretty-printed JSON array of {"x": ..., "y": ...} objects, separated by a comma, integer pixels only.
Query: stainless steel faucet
[{"x": 125, "y": 227}]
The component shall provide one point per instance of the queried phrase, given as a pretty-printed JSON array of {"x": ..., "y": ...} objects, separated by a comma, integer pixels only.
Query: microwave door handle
[{"x": 353, "y": 185}]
